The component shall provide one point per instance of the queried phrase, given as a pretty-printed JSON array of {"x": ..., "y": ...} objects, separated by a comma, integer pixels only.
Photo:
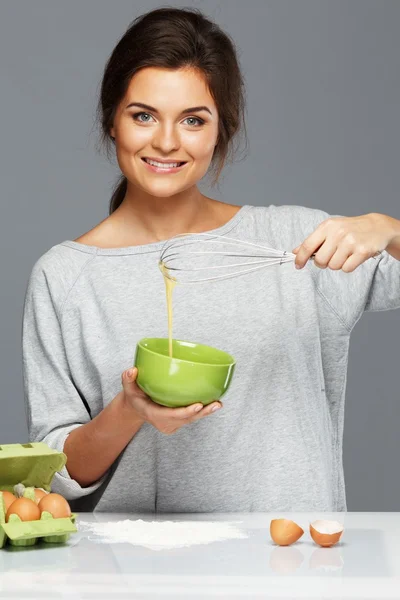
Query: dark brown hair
[{"x": 175, "y": 38}]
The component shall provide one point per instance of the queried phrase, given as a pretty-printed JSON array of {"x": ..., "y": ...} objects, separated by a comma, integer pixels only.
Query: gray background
[{"x": 323, "y": 125}]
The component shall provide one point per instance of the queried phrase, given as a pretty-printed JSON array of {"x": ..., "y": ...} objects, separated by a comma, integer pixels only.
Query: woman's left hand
[{"x": 346, "y": 242}]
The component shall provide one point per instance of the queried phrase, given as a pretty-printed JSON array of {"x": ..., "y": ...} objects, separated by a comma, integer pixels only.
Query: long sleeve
[
  {"x": 53, "y": 405},
  {"x": 372, "y": 286}
]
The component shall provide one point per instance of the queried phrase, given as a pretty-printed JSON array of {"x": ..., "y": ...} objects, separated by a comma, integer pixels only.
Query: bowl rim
[{"x": 184, "y": 360}]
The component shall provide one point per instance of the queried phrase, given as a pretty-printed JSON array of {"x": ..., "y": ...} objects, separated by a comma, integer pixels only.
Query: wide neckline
[{"x": 153, "y": 246}]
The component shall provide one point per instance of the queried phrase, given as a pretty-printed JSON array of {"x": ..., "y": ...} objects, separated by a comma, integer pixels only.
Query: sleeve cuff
[{"x": 62, "y": 483}]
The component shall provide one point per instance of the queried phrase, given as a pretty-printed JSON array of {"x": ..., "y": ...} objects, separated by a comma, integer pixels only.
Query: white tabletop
[{"x": 365, "y": 564}]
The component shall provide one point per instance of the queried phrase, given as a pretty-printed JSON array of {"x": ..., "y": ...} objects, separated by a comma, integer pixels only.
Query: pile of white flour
[{"x": 160, "y": 535}]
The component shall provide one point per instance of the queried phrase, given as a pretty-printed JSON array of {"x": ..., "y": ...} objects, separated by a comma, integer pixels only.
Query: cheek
[
  {"x": 135, "y": 139},
  {"x": 201, "y": 145}
]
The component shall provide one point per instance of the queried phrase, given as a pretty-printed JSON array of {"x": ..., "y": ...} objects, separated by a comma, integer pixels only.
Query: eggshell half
[
  {"x": 326, "y": 533},
  {"x": 285, "y": 532}
]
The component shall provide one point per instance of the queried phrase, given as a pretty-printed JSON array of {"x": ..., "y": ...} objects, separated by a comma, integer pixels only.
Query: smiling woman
[
  {"x": 171, "y": 107},
  {"x": 181, "y": 70}
]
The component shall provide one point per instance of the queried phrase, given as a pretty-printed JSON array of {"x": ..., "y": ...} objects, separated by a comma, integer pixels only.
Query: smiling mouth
[{"x": 162, "y": 165}]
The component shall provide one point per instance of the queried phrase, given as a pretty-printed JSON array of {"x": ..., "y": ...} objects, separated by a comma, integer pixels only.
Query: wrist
[
  {"x": 128, "y": 412},
  {"x": 392, "y": 227}
]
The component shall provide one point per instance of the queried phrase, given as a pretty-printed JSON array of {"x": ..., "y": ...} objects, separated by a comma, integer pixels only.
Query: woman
[{"x": 172, "y": 103}]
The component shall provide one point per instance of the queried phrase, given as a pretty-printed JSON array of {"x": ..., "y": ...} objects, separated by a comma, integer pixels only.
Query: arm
[
  {"x": 110, "y": 431},
  {"x": 55, "y": 408}
]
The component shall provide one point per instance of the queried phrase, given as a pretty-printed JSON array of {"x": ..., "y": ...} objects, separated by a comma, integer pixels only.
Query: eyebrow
[{"x": 184, "y": 112}]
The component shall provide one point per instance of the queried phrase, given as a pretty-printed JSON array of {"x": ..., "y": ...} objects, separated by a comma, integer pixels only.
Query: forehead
[{"x": 159, "y": 87}]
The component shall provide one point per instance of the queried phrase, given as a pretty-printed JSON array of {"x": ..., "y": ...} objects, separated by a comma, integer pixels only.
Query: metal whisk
[{"x": 182, "y": 265}]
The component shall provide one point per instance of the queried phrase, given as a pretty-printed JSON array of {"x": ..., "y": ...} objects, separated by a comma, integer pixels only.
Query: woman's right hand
[{"x": 166, "y": 420}]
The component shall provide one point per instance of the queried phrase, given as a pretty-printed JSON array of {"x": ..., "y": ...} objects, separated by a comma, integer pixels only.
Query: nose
[{"x": 166, "y": 138}]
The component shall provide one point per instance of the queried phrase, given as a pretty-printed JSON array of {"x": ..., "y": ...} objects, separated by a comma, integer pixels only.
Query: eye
[
  {"x": 137, "y": 115},
  {"x": 199, "y": 121}
]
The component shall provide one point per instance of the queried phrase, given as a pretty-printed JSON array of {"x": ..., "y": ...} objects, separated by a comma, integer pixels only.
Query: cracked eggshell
[
  {"x": 326, "y": 533},
  {"x": 285, "y": 532}
]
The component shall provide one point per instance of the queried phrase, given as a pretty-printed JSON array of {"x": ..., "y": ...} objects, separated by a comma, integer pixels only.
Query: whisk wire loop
[{"x": 178, "y": 261}]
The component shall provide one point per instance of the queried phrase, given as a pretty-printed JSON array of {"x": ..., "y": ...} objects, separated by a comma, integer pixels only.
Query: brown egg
[
  {"x": 326, "y": 533},
  {"x": 9, "y": 498},
  {"x": 26, "y": 509},
  {"x": 56, "y": 505},
  {"x": 39, "y": 494},
  {"x": 285, "y": 532}
]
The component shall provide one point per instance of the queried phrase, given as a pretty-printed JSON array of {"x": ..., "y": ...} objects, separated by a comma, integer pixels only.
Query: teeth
[{"x": 162, "y": 165}]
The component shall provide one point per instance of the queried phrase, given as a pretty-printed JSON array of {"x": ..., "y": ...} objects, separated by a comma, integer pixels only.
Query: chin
[{"x": 164, "y": 191}]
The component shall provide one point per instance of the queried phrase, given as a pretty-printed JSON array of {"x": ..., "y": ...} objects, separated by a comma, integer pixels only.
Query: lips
[
  {"x": 164, "y": 170},
  {"x": 163, "y": 162}
]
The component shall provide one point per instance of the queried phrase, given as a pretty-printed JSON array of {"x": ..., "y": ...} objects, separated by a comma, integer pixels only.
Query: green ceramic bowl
[{"x": 195, "y": 373}]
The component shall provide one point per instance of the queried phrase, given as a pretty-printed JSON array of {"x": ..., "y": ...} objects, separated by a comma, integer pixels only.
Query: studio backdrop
[{"x": 323, "y": 88}]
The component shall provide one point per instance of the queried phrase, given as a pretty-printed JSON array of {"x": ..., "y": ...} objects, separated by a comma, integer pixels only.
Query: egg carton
[{"x": 32, "y": 465}]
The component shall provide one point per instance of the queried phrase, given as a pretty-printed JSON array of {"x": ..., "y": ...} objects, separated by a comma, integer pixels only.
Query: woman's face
[{"x": 165, "y": 129}]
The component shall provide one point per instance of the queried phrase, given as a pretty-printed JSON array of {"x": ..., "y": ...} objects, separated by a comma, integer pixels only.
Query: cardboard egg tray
[{"x": 33, "y": 465}]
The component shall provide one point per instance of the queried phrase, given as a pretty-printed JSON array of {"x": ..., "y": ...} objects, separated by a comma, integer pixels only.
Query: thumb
[{"x": 129, "y": 377}]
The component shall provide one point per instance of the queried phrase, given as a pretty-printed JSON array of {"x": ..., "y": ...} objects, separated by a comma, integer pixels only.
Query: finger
[
  {"x": 128, "y": 377},
  {"x": 339, "y": 258},
  {"x": 324, "y": 254},
  {"x": 309, "y": 246},
  {"x": 208, "y": 410},
  {"x": 354, "y": 261},
  {"x": 179, "y": 414},
  {"x": 130, "y": 385}
]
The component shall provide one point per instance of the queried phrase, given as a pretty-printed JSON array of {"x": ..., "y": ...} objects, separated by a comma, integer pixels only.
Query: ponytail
[{"x": 118, "y": 194}]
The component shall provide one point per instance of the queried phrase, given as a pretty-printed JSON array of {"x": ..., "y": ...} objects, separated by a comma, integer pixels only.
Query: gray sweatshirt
[{"x": 277, "y": 443}]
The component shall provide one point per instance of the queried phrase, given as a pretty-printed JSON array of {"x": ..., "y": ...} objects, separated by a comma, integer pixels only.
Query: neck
[{"x": 154, "y": 218}]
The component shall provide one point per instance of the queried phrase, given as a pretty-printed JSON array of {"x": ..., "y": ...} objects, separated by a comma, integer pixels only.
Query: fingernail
[
  {"x": 216, "y": 407},
  {"x": 129, "y": 372},
  {"x": 198, "y": 407},
  {"x": 297, "y": 266}
]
